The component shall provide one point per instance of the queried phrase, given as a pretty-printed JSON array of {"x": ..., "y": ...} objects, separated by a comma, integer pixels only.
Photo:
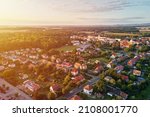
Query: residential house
[
  {"x": 119, "y": 68},
  {"x": 31, "y": 85},
  {"x": 111, "y": 63},
  {"x": 83, "y": 67},
  {"x": 98, "y": 69},
  {"x": 125, "y": 44},
  {"x": 88, "y": 89},
  {"x": 78, "y": 79},
  {"x": 23, "y": 76},
  {"x": 137, "y": 72},
  {"x": 74, "y": 72},
  {"x": 12, "y": 65},
  {"x": 125, "y": 78},
  {"x": 44, "y": 56},
  {"x": 113, "y": 56},
  {"x": 110, "y": 80},
  {"x": 77, "y": 65},
  {"x": 58, "y": 60},
  {"x": 53, "y": 58},
  {"x": 134, "y": 60},
  {"x": 67, "y": 65}
]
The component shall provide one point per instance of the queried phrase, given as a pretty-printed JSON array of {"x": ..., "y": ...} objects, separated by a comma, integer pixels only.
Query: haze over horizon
[{"x": 74, "y": 12}]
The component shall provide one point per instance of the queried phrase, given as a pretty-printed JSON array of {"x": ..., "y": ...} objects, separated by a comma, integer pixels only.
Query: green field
[
  {"x": 67, "y": 48},
  {"x": 121, "y": 34}
]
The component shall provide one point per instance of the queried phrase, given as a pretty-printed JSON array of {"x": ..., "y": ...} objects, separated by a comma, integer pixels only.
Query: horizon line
[{"x": 90, "y": 25}]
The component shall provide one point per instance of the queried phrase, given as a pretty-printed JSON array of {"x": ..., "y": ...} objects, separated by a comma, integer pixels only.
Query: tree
[
  {"x": 132, "y": 77},
  {"x": 100, "y": 86},
  {"x": 119, "y": 82},
  {"x": 102, "y": 75},
  {"x": 144, "y": 48},
  {"x": 41, "y": 78},
  {"x": 129, "y": 87},
  {"x": 83, "y": 96},
  {"x": 9, "y": 73},
  {"x": 66, "y": 89},
  {"x": 67, "y": 79},
  {"x": 51, "y": 96},
  {"x": 138, "y": 65}
]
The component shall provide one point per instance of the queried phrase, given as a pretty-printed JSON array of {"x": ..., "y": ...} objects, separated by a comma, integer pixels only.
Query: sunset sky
[{"x": 74, "y": 12}]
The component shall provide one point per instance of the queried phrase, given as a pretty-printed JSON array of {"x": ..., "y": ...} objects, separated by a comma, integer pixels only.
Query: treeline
[
  {"x": 45, "y": 39},
  {"x": 114, "y": 29}
]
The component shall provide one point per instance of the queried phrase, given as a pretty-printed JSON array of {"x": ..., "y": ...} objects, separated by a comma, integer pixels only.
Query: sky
[{"x": 74, "y": 12}]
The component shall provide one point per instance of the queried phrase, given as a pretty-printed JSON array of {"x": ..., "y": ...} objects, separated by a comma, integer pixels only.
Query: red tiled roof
[
  {"x": 78, "y": 79},
  {"x": 74, "y": 70},
  {"x": 88, "y": 87},
  {"x": 124, "y": 77}
]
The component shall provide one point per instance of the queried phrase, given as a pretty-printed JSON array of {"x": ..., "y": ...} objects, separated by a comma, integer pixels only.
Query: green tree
[
  {"x": 66, "y": 89},
  {"x": 139, "y": 66},
  {"x": 67, "y": 79},
  {"x": 41, "y": 78},
  {"x": 132, "y": 77},
  {"x": 100, "y": 86},
  {"x": 9, "y": 73}
]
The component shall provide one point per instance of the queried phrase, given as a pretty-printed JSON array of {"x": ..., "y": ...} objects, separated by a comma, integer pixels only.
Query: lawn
[{"x": 67, "y": 48}]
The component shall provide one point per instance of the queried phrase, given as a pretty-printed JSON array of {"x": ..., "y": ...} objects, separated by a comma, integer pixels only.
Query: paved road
[{"x": 80, "y": 88}]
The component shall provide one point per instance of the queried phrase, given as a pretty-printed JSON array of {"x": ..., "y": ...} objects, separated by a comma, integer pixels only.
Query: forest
[{"x": 44, "y": 38}]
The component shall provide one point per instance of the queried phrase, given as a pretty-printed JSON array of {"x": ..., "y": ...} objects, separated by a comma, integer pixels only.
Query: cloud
[
  {"x": 127, "y": 19},
  {"x": 108, "y": 5},
  {"x": 91, "y": 6},
  {"x": 113, "y": 20}
]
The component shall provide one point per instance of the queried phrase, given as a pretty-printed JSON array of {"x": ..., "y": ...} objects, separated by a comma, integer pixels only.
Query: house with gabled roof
[
  {"x": 119, "y": 68},
  {"x": 78, "y": 79},
  {"x": 31, "y": 85},
  {"x": 74, "y": 72},
  {"x": 125, "y": 78},
  {"x": 137, "y": 72},
  {"x": 88, "y": 89}
]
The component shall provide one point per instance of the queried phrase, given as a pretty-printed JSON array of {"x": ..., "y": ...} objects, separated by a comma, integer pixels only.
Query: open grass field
[{"x": 121, "y": 34}]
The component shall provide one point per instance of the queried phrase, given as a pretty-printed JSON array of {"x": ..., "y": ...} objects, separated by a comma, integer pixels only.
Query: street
[{"x": 80, "y": 88}]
